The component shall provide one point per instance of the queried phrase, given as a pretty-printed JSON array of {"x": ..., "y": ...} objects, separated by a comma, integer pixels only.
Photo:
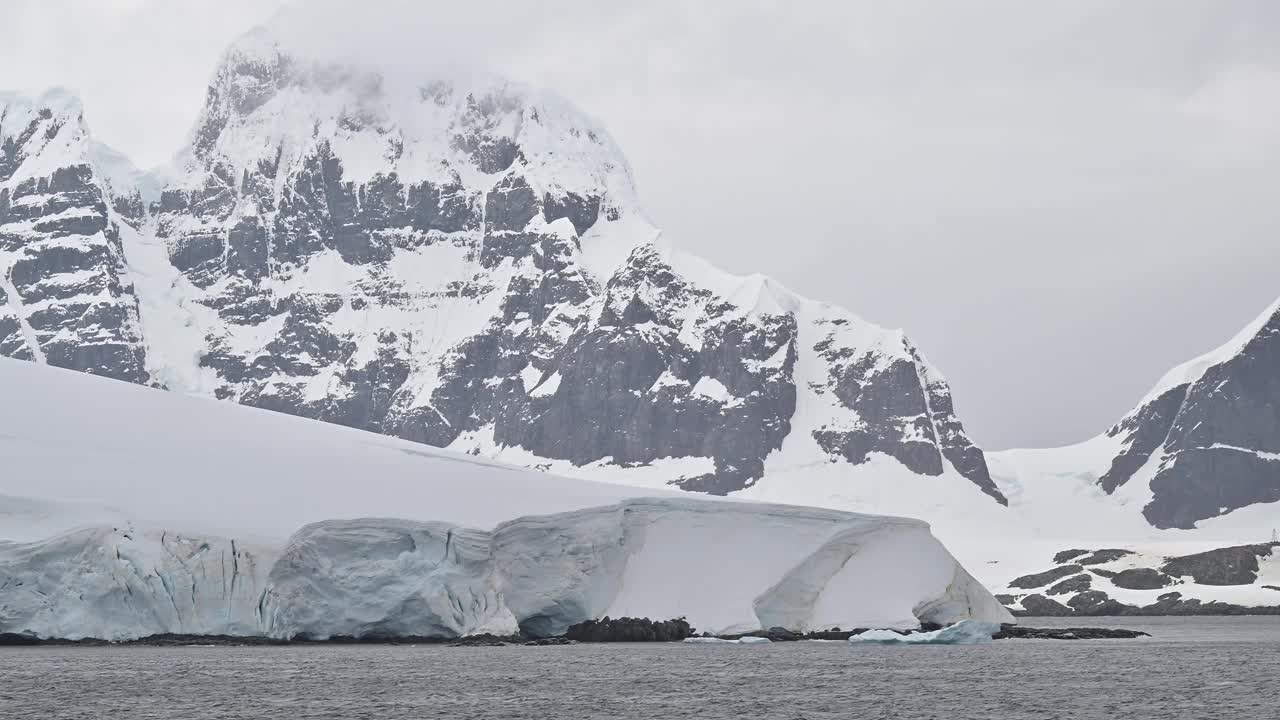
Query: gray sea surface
[{"x": 1214, "y": 668}]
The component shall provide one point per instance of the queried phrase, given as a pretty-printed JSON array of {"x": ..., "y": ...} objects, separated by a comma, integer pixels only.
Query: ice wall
[{"x": 726, "y": 567}]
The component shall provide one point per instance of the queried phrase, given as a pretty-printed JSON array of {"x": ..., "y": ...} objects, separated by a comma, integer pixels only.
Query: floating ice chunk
[
  {"x": 965, "y": 632},
  {"x": 748, "y": 640}
]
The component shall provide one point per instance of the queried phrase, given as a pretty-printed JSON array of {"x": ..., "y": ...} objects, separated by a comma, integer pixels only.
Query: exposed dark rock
[
  {"x": 178, "y": 640},
  {"x": 487, "y": 640},
  {"x": 582, "y": 212},
  {"x": 1074, "y": 584},
  {"x": 888, "y": 407},
  {"x": 1221, "y": 566},
  {"x": 629, "y": 630},
  {"x": 550, "y": 641},
  {"x": 1041, "y": 606},
  {"x": 833, "y": 634},
  {"x": 510, "y": 205},
  {"x": 1141, "y": 579},
  {"x": 1145, "y": 431},
  {"x": 1067, "y": 555},
  {"x": 1017, "y": 632},
  {"x": 162, "y": 640},
  {"x": 1096, "y": 602},
  {"x": 1028, "y": 582},
  {"x": 1198, "y": 484},
  {"x": 18, "y": 639},
  {"x": 1100, "y": 557},
  {"x": 899, "y": 415}
]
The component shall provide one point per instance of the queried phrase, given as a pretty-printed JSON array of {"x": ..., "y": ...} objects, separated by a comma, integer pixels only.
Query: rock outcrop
[{"x": 1120, "y": 581}]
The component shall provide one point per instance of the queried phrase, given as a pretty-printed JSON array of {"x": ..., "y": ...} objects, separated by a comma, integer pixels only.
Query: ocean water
[{"x": 1201, "y": 668}]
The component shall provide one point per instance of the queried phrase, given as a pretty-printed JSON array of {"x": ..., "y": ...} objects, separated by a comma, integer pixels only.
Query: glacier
[{"x": 135, "y": 550}]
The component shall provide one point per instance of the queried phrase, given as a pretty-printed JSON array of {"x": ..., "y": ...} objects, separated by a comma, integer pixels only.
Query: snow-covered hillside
[
  {"x": 454, "y": 260},
  {"x": 157, "y": 513}
]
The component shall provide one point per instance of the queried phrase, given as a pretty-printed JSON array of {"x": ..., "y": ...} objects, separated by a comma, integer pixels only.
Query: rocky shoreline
[
  {"x": 605, "y": 630},
  {"x": 1096, "y": 603},
  {"x": 1082, "y": 581}
]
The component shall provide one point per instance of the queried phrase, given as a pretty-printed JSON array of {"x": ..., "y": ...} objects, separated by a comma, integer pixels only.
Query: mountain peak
[
  {"x": 40, "y": 134},
  {"x": 278, "y": 96},
  {"x": 445, "y": 256},
  {"x": 1192, "y": 370},
  {"x": 1212, "y": 417}
]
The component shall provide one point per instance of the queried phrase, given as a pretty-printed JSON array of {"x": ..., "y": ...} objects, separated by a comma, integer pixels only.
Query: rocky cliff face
[
  {"x": 1207, "y": 438},
  {"x": 458, "y": 263},
  {"x": 65, "y": 294}
]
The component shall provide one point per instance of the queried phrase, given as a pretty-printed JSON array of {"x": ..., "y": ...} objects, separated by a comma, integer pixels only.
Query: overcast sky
[{"x": 1058, "y": 201}]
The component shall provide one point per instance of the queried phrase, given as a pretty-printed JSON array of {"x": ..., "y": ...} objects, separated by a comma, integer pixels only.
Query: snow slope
[
  {"x": 216, "y": 468},
  {"x": 210, "y": 498}
]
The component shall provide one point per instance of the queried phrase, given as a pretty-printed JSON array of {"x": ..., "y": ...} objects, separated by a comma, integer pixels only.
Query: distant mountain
[
  {"x": 1207, "y": 437},
  {"x": 1205, "y": 442},
  {"x": 457, "y": 261}
]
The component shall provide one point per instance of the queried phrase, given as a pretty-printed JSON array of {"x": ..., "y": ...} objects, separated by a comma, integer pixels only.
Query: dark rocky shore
[
  {"x": 605, "y": 630},
  {"x": 1096, "y": 603}
]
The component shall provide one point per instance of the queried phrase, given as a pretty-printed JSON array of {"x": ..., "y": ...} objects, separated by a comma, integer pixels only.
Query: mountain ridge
[{"x": 457, "y": 267}]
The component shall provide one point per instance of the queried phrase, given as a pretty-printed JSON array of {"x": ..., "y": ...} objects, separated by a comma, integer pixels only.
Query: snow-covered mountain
[
  {"x": 159, "y": 513},
  {"x": 452, "y": 260},
  {"x": 1202, "y": 444},
  {"x": 65, "y": 294}
]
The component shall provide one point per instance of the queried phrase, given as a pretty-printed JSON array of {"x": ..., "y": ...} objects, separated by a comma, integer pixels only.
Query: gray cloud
[{"x": 1058, "y": 200}]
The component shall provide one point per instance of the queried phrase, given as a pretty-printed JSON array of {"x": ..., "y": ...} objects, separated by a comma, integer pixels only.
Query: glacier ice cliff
[
  {"x": 118, "y": 583},
  {"x": 393, "y": 578},
  {"x": 726, "y": 567},
  {"x": 161, "y": 513}
]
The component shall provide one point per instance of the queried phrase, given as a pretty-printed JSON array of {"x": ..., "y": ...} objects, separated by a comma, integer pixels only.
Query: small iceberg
[
  {"x": 748, "y": 640},
  {"x": 965, "y": 632}
]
